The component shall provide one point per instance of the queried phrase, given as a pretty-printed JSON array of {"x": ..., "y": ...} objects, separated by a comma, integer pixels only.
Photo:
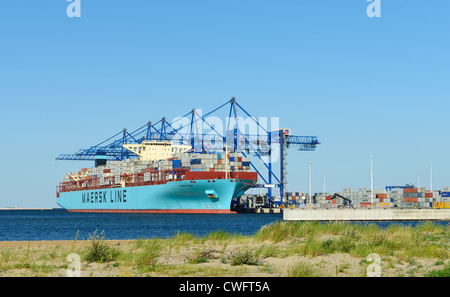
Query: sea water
[{"x": 58, "y": 224}]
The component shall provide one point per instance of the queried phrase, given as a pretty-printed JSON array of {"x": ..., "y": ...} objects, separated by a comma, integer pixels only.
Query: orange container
[
  {"x": 365, "y": 204},
  {"x": 410, "y": 190},
  {"x": 411, "y": 199}
]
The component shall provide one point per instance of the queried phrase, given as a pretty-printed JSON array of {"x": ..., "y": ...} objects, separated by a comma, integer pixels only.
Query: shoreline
[{"x": 53, "y": 243}]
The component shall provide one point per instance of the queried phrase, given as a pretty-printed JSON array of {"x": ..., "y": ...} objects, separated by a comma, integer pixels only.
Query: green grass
[
  {"x": 444, "y": 272},
  {"x": 312, "y": 238},
  {"x": 245, "y": 256},
  {"x": 146, "y": 257},
  {"x": 302, "y": 269},
  {"x": 201, "y": 256},
  {"x": 396, "y": 243},
  {"x": 99, "y": 251}
]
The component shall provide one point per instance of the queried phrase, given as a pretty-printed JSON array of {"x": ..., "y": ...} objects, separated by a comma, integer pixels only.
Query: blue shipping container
[
  {"x": 231, "y": 159},
  {"x": 445, "y": 194},
  {"x": 176, "y": 164},
  {"x": 245, "y": 163}
]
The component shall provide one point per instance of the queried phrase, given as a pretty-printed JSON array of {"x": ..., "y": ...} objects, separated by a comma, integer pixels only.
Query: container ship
[{"x": 163, "y": 178}]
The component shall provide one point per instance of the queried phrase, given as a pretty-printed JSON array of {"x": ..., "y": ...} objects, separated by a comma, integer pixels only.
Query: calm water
[{"x": 58, "y": 224}]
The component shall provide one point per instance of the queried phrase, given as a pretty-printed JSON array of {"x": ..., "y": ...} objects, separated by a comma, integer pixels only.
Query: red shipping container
[
  {"x": 429, "y": 195},
  {"x": 381, "y": 195},
  {"x": 193, "y": 175},
  {"x": 381, "y": 199},
  {"x": 244, "y": 175},
  {"x": 410, "y": 190},
  {"x": 365, "y": 204}
]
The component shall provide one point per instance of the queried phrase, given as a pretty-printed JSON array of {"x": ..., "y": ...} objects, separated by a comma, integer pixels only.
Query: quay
[
  {"x": 262, "y": 210},
  {"x": 298, "y": 214}
]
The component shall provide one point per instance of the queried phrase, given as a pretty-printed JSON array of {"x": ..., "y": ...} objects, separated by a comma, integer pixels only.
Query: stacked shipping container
[
  {"x": 133, "y": 171},
  {"x": 193, "y": 162},
  {"x": 400, "y": 198}
]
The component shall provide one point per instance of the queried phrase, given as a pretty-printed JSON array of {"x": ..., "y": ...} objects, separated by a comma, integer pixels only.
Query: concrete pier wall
[{"x": 366, "y": 214}]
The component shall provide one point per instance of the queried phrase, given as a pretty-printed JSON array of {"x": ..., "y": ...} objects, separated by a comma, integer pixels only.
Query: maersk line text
[{"x": 115, "y": 196}]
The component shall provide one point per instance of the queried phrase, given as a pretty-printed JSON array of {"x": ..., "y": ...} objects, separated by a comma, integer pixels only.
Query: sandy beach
[{"x": 265, "y": 254}]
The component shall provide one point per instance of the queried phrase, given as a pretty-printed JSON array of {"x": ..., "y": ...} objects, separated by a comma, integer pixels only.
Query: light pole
[
  {"x": 418, "y": 180},
  {"x": 431, "y": 180},
  {"x": 309, "y": 179},
  {"x": 371, "y": 180},
  {"x": 324, "y": 182}
]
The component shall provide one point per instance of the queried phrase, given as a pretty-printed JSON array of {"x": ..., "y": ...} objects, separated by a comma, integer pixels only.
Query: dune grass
[
  {"x": 221, "y": 253},
  {"x": 424, "y": 240},
  {"x": 302, "y": 269}
]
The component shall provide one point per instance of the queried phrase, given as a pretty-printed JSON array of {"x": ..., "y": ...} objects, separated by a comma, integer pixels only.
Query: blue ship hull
[{"x": 187, "y": 196}]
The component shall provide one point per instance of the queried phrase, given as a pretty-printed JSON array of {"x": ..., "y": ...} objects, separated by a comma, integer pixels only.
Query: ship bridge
[{"x": 156, "y": 150}]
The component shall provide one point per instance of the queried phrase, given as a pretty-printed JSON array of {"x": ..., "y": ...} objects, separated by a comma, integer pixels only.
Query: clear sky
[{"x": 365, "y": 86}]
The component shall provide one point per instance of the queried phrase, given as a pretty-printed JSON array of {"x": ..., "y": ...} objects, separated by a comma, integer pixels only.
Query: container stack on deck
[
  {"x": 114, "y": 171},
  {"x": 215, "y": 162}
]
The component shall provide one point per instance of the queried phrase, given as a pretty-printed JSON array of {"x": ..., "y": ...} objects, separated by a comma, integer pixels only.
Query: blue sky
[{"x": 364, "y": 86}]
